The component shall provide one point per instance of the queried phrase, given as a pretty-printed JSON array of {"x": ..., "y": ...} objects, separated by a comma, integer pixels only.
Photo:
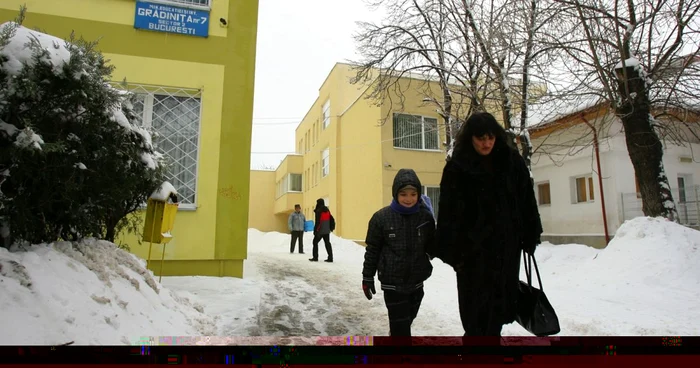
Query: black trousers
[
  {"x": 476, "y": 309},
  {"x": 327, "y": 241},
  {"x": 403, "y": 309},
  {"x": 297, "y": 235}
]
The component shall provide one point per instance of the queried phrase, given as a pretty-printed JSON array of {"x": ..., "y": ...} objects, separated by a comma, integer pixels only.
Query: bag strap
[{"x": 528, "y": 261}]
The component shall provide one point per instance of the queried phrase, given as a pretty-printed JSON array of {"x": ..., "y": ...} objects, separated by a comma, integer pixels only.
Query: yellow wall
[
  {"x": 360, "y": 138},
  {"x": 361, "y": 169},
  {"x": 427, "y": 164},
  {"x": 223, "y": 67},
  {"x": 262, "y": 204}
]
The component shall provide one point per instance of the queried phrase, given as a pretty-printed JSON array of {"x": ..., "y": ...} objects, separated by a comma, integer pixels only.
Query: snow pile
[
  {"x": 652, "y": 252},
  {"x": 88, "y": 292},
  {"x": 19, "y": 54}
]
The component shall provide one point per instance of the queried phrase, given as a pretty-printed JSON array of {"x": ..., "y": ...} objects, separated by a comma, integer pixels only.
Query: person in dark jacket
[
  {"x": 488, "y": 216},
  {"x": 324, "y": 225},
  {"x": 397, "y": 238}
]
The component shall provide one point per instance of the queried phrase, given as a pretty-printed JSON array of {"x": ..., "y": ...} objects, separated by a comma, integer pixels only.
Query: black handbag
[{"x": 534, "y": 312}]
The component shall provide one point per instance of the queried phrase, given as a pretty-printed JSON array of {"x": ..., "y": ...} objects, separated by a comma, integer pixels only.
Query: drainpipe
[{"x": 600, "y": 177}]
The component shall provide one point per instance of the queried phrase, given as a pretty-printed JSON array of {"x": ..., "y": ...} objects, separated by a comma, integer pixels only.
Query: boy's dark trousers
[
  {"x": 327, "y": 241},
  {"x": 297, "y": 235},
  {"x": 403, "y": 309}
]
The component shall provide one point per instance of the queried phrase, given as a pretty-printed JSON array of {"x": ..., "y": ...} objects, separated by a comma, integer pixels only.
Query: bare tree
[
  {"x": 416, "y": 39},
  {"x": 508, "y": 33},
  {"x": 625, "y": 52}
]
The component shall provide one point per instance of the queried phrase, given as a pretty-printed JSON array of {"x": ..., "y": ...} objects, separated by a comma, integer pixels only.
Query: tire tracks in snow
[{"x": 301, "y": 298}]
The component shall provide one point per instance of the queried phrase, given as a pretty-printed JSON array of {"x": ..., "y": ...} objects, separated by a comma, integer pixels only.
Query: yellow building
[
  {"x": 349, "y": 149},
  {"x": 192, "y": 62}
]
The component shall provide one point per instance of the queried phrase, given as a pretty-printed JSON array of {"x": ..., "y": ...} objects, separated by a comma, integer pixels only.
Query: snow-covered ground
[{"x": 647, "y": 282}]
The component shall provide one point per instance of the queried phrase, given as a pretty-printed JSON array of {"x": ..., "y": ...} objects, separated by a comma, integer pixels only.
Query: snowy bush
[{"x": 73, "y": 161}]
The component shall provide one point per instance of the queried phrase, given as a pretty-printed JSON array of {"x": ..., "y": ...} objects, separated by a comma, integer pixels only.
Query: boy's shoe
[
  {"x": 313, "y": 259},
  {"x": 329, "y": 261}
]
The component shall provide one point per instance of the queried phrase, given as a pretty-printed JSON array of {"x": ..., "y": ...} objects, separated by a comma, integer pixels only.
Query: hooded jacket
[
  {"x": 397, "y": 243},
  {"x": 324, "y": 220}
]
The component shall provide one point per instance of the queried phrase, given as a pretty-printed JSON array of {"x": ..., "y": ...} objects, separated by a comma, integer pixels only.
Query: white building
[{"x": 568, "y": 184}]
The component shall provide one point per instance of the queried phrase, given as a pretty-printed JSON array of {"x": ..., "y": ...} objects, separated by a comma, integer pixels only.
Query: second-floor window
[
  {"x": 326, "y": 114},
  {"x": 416, "y": 132},
  {"x": 325, "y": 162},
  {"x": 289, "y": 183}
]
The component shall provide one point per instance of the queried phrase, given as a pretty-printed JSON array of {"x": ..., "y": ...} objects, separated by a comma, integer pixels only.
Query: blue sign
[{"x": 171, "y": 19}]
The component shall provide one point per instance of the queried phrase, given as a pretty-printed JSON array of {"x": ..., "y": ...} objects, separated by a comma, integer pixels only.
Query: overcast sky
[{"x": 298, "y": 43}]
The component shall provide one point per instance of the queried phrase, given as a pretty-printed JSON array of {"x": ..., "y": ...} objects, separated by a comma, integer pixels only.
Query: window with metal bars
[
  {"x": 174, "y": 113},
  {"x": 416, "y": 132},
  {"x": 206, "y": 3},
  {"x": 325, "y": 162},
  {"x": 434, "y": 194},
  {"x": 326, "y": 114}
]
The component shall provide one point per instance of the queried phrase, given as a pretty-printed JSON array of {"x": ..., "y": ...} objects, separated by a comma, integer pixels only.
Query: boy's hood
[{"x": 403, "y": 178}]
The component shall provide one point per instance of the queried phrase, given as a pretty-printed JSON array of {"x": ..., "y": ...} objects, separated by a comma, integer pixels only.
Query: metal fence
[{"x": 687, "y": 203}]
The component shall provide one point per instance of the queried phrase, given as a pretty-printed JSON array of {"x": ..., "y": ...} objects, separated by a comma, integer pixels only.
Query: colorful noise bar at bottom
[{"x": 287, "y": 351}]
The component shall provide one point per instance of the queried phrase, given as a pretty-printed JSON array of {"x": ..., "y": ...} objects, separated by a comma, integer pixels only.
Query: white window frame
[
  {"x": 326, "y": 113},
  {"x": 435, "y": 203},
  {"x": 687, "y": 185},
  {"x": 422, "y": 135},
  {"x": 289, "y": 185},
  {"x": 149, "y": 92},
  {"x": 574, "y": 189},
  {"x": 537, "y": 193},
  {"x": 184, "y": 4},
  {"x": 325, "y": 162}
]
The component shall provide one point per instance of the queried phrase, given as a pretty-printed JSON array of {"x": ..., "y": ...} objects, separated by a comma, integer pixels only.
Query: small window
[
  {"x": 434, "y": 194},
  {"x": 326, "y": 114},
  {"x": 315, "y": 135},
  {"x": 543, "y": 194},
  {"x": 295, "y": 182},
  {"x": 584, "y": 189},
  {"x": 325, "y": 163},
  {"x": 416, "y": 132}
]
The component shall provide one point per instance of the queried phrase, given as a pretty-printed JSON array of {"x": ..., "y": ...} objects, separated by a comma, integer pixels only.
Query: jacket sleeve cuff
[{"x": 367, "y": 279}]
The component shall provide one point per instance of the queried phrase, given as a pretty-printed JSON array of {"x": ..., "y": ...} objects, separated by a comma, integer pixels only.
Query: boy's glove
[{"x": 368, "y": 288}]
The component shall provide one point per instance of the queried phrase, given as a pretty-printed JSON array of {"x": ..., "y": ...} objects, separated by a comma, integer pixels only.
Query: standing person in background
[
  {"x": 296, "y": 228},
  {"x": 324, "y": 225},
  {"x": 488, "y": 216}
]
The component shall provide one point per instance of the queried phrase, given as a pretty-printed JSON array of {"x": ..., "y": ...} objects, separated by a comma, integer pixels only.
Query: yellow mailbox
[{"x": 160, "y": 219}]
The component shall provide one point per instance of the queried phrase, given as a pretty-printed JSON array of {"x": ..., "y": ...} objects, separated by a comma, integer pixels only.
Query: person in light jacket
[{"x": 296, "y": 227}]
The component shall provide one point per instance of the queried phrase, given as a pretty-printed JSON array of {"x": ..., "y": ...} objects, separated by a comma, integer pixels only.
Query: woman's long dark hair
[{"x": 478, "y": 125}]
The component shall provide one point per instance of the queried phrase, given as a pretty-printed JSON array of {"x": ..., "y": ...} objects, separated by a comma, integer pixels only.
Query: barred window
[
  {"x": 416, "y": 132},
  {"x": 190, "y": 2},
  {"x": 325, "y": 162},
  {"x": 326, "y": 114},
  {"x": 175, "y": 115},
  {"x": 434, "y": 194}
]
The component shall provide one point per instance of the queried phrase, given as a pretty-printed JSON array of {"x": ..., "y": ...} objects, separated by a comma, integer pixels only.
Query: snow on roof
[
  {"x": 163, "y": 193},
  {"x": 553, "y": 110},
  {"x": 19, "y": 53}
]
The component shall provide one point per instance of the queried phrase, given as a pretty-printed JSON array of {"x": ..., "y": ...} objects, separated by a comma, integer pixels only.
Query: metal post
[
  {"x": 150, "y": 246},
  {"x": 697, "y": 208},
  {"x": 162, "y": 258},
  {"x": 622, "y": 201},
  {"x": 600, "y": 177}
]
